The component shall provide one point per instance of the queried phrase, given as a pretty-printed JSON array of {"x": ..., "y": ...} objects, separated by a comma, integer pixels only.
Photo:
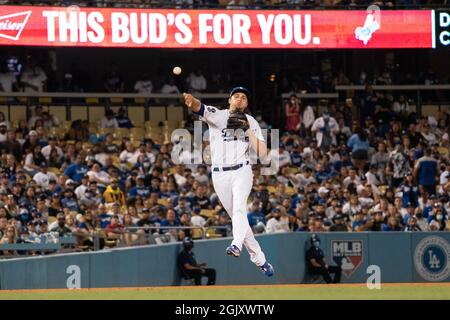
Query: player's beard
[{"x": 239, "y": 107}]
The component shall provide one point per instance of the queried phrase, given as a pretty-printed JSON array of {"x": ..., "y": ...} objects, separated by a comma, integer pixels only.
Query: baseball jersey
[{"x": 228, "y": 147}]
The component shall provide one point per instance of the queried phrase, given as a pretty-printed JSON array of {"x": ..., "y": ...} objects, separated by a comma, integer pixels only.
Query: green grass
[{"x": 275, "y": 292}]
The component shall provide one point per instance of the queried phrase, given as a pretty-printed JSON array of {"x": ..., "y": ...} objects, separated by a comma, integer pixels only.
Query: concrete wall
[{"x": 395, "y": 253}]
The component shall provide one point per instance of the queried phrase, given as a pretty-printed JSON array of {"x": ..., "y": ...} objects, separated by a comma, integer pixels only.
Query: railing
[
  {"x": 145, "y": 238},
  {"x": 417, "y": 89},
  {"x": 152, "y": 238},
  {"x": 28, "y": 248}
]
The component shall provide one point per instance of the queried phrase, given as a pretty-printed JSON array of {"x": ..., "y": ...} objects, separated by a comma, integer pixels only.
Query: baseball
[{"x": 176, "y": 70}]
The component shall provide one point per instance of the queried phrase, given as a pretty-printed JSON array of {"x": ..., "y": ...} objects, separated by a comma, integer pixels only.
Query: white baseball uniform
[{"x": 233, "y": 186}]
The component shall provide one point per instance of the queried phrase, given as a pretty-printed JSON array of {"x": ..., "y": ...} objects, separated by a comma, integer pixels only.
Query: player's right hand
[{"x": 189, "y": 100}]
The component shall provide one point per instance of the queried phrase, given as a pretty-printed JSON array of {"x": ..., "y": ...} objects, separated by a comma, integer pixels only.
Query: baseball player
[{"x": 230, "y": 133}]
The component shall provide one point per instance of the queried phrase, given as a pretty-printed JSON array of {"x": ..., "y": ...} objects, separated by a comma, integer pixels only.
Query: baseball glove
[{"x": 238, "y": 120}]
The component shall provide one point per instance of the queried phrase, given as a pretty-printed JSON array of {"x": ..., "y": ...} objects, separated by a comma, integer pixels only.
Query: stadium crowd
[{"x": 388, "y": 173}]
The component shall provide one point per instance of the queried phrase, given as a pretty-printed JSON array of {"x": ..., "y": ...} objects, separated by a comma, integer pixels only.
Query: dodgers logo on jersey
[
  {"x": 232, "y": 135},
  {"x": 431, "y": 258},
  {"x": 348, "y": 254}
]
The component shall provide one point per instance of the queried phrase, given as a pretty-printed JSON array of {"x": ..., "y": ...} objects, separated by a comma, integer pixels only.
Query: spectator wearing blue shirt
[
  {"x": 140, "y": 189},
  {"x": 437, "y": 211},
  {"x": 123, "y": 120},
  {"x": 359, "y": 143},
  {"x": 170, "y": 221},
  {"x": 296, "y": 155},
  {"x": 410, "y": 192},
  {"x": 392, "y": 225},
  {"x": 409, "y": 213},
  {"x": 321, "y": 174},
  {"x": 69, "y": 200},
  {"x": 426, "y": 171},
  {"x": 102, "y": 216},
  {"x": 359, "y": 222},
  {"x": 255, "y": 216},
  {"x": 77, "y": 170}
]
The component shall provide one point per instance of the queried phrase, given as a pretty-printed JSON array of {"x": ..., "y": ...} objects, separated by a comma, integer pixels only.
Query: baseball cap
[
  {"x": 70, "y": 181},
  {"x": 323, "y": 190},
  {"x": 338, "y": 216},
  {"x": 33, "y": 133},
  {"x": 239, "y": 89},
  {"x": 276, "y": 210}
]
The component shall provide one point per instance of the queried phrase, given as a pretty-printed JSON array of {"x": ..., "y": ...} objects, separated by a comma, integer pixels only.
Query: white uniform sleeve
[
  {"x": 211, "y": 115},
  {"x": 254, "y": 126}
]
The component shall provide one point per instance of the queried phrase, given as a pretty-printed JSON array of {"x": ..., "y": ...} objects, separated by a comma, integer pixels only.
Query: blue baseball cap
[{"x": 240, "y": 89}]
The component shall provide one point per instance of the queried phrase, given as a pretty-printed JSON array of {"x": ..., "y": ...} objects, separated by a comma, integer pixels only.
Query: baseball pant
[
  {"x": 233, "y": 188},
  {"x": 197, "y": 275},
  {"x": 325, "y": 272}
]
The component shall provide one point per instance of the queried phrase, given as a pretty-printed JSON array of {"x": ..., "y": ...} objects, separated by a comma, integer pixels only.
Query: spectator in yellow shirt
[{"x": 114, "y": 194}]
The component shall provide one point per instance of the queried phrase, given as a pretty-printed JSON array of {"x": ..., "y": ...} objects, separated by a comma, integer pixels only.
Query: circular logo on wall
[{"x": 431, "y": 258}]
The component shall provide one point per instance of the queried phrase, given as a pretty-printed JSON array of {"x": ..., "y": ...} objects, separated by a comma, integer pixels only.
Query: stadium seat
[
  {"x": 51, "y": 219},
  {"x": 290, "y": 191},
  {"x": 121, "y": 132},
  {"x": 212, "y": 233},
  {"x": 197, "y": 233},
  {"x": 207, "y": 213},
  {"x": 163, "y": 202},
  {"x": 56, "y": 171},
  {"x": 271, "y": 189}
]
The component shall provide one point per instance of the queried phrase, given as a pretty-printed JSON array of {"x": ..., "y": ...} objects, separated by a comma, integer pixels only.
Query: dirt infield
[{"x": 271, "y": 286}]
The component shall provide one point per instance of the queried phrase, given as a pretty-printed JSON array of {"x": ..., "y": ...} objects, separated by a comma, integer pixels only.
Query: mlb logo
[{"x": 348, "y": 254}]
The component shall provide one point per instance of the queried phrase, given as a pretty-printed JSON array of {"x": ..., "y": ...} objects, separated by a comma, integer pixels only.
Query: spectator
[
  {"x": 77, "y": 170},
  {"x": 189, "y": 268},
  {"x": 144, "y": 85},
  {"x": 113, "y": 80},
  {"x": 113, "y": 194},
  {"x": 277, "y": 223},
  {"x": 197, "y": 220},
  {"x": 122, "y": 119},
  {"x": 325, "y": 128},
  {"x": 196, "y": 82},
  {"x": 255, "y": 216},
  {"x": 392, "y": 225},
  {"x": 8, "y": 80},
  {"x": 10, "y": 237},
  {"x": 109, "y": 120},
  {"x": 339, "y": 224},
  {"x": 359, "y": 144},
  {"x": 426, "y": 172},
  {"x": 115, "y": 229},
  {"x": 33, "y": 78},
  {"x": 292, "y": 112}
]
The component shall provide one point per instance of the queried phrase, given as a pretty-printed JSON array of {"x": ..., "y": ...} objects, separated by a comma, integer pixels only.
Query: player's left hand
[{"x": 238, "y": 120}]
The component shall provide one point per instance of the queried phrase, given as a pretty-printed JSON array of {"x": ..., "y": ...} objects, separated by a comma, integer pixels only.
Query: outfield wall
[{"x": 402, "y": 257}]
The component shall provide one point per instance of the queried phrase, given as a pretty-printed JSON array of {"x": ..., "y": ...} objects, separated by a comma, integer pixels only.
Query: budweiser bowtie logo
[{"x": 12, "y": 25}]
